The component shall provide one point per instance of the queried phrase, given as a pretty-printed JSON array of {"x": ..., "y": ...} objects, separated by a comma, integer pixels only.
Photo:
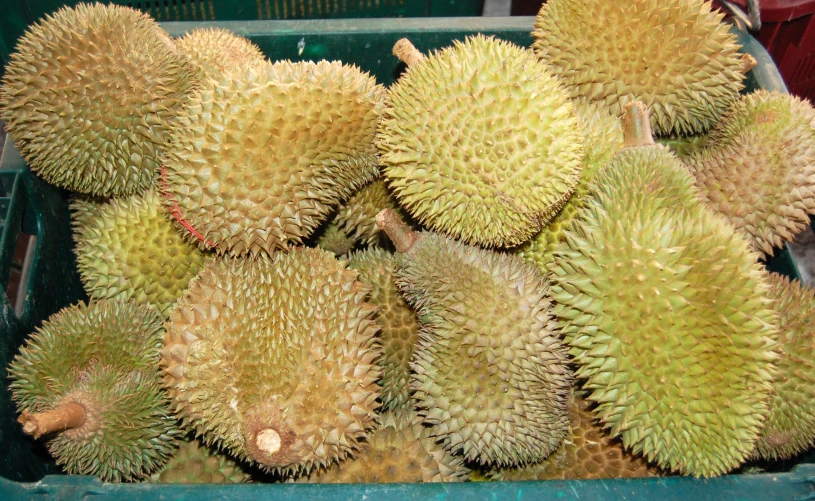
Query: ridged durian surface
[
  {"x": 213, "y": 51},
  {"x": 194, "y": 463}
]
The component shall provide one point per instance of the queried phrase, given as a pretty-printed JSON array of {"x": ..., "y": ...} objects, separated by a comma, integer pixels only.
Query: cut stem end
[
  {"x": 636, "y": 125},
  {"x": 400, "y": 233},
  {"x": 64, "y": 417},
  {"x": 407, "y": 53},
  {"x": 268, "y": 441}
]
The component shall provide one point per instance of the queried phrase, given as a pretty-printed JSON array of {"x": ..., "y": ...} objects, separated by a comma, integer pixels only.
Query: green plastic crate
[{"x": 32, "y": 206}]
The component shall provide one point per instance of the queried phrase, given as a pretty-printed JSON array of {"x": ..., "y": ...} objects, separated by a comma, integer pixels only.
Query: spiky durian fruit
[
  {"x": 602, "y": 137},
  {"x": 399, "y": 326},
  {"x": 89, "y": 96},
  {"x": 88, "y": 378},
  {"x": 333, "y": 238},
  {"x": 480, "y": 141},
  {"x": 790, "y": 427},
  {"x": 357, "y": 217},
  {"x": 194, "y": 463},
  {"x": 212, "y": 51},
  {"x": 677, "y": 57},
  {"x": 129, "y": 249},
  {"x": 82, "y": 209},
  {"x": 490, "y": 372},
  {"x": 400, "y": 450},
  {"x": 587, "y": 452},
  {"x": 264, "y": 156},
  {"x": 273, "y": 359},
  {"x": 684, "y": 147},
  {"x": 665, "y": 309},
  {"x": 759, "y": 167}
]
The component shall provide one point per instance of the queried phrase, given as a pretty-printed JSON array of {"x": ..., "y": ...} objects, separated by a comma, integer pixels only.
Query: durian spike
[
  {"x": 398, "y": 231},
  {"x": 64, "y": 417},
  {"x": 407, "y": 53},
  {"x": 636, "y": 125},
  {"x": 748, "y": 62}
]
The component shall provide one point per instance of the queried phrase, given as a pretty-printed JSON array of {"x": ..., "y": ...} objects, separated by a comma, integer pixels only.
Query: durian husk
[
  {"x": 480, "y": 142},
  {"x": 90, "y": 95},
  {"x": 684, "y": 147},
  {"x": 194, "y": 463},
  {"x": 790, "y": 427},
  {"x": 357, "y": 217},
  {"x": 129, "y": 249},
  {"x": 102, "y": 356},
  {"x": 586, "y": 453},
  {"x": 678, "y": 57},
  {"x": 759, "y": 167},
  {"x": 274, "y": 359},
  {"x": 602, "y": 138},
  {"x": 215, "y": 51},
  {"x": 400, "y": 450},
  {"x": 333, "y": 238},
  {"x": 665, "y": 309},
  {"x": 82, "y": 209},
  {"x": 266, "y": 154},
  {"x": 398, "y": 322}
]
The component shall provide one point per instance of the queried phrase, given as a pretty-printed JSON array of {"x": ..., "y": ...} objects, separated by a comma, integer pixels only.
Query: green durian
[
  {"x": 129, "y": 249},
  {"x": 665, "y": 309},
  {"x": 357, "y": 217},
  {"x": 90, "y": 95},
  {"x": 400, "y": 327},
  {"x": 479, "y": 141},
  {"x": 194, "y": 463},
  {"x": 758, "y": 169},
  {"x": 333, "y": 238},
  {"x": 602, "y": 137},
  {"x": 790, "y": 427},
  {"x": 400, "y": 450},
  {"x": 82, "y": 209},
  {"x": 265, "y": 155},
  {"x": 273, "y": 359},
  {"x": 490, "y": 373},
  {"x": 678, "y": 57},
  {"x": 88, "y": 379},
  {"x": 684, "y": 147},
  {"x": 213, "y": 51}
]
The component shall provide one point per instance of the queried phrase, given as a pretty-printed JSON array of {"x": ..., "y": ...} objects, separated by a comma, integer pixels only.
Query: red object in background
[{"x": 788, "y": 33}]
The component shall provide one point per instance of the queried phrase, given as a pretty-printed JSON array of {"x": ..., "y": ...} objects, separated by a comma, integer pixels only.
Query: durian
[
  {"x": 664, "y": 306},
  {"x": 194, "y": 463},
  {"x": 333, "y": 238},
  {"x": 684, "y": 147},
  {"x": 479, "y": 141},
  {"x": 586, "y": 453},
  {"x": 677, "y": 57},
  {"x": 213, "y": 51},
  {"x": 273, "y": 359},
  {"x": 602, "y": 137},
  {"x": 490, "y": 374},
  {"x": 89, "y": 97},
  {"x": 398, "y": 322},
  {"x": 129, "y": 249},
  {"x": 759, "y": 167},
  {"x": 357, "y": 217},
  {"x": 265, "y": 155},
  {"x": 399, "y": 450},
  {"x": 790, "y": 427},
  {"x": 88, "y": 379},
  {"x": 82, "y": 210}
]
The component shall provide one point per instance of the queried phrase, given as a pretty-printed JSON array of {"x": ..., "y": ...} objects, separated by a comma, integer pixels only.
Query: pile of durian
[{"x": 514, "y": 263}]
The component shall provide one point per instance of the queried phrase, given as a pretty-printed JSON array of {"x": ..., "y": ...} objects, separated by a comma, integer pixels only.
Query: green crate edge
[{"x": 371, "y": 41}]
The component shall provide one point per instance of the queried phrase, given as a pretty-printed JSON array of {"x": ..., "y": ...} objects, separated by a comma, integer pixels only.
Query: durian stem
[
  {"x": 400, "y": 233},
  {"x": 636, "y": 125},
  {"x": 748, "y": 62},
  {"x": 64, "y": 417},
  {"x": 407, "y": 53},
  {"x": 268, "y": 441}
]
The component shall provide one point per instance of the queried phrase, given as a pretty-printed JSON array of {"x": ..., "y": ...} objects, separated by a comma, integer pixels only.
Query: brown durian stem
[
  {"x": 400, "y": 233},
  {"x": 64, "y": 417},
  {"x": 748, "y": 62},
  {"x": 407, "y": 53},
  {"x": 636, "y": 125}
]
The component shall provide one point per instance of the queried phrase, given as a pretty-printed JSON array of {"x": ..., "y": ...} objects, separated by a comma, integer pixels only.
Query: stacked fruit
[{"x": 490, "y": 265}]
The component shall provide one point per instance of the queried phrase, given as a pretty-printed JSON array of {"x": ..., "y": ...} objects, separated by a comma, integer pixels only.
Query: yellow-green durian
[
  {"x": 480, "y": 141},
  {"x": 90, "y": 95},
  {"x": 790, "y": 427},
  {"x": 88, "y": 379},
  {"x": 758, "y": 169},
  {"x": 274, "y": 359},
  {"x": 685, "y": 146},
  {"x": 266, "y": 154},
  {"x": 212, "y": 51},
  {"x": 490, "y": 373},
  {"x": 677, "y": 57},
  {"x": 82, "y": 209},
  {"x": 400, "y": 328},
  {"x": 400, "y": 450},
  {"x": 602, "y": 137},
  {"x": 333, "y": 238},
  {"x": 129, "y": 249},
  {"x": 665, "y": 308},
  {"x": 194, "y": 463},
  {"x": 357, "y": 216}
]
